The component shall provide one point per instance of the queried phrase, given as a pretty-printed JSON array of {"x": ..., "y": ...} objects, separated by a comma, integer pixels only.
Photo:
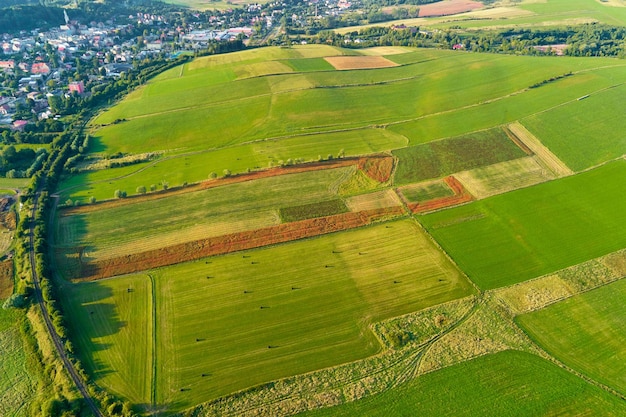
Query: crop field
[
  {"x": 197, "y": 167},
  {"x": 229, "y": 322},
  {"x": 113, "y": 327},
  {"x": 504, "y": 176},
  {"x": 522, "y": 234},
  {"x": 586, "y": 332},
  {"x": 524, "y": 13},
  {"x": 312, "y": 210},
  {"x": 17, "y": 385},
  {"x": 275, "y": 243},
  {"x": 200, "y": 214},
  {"x": 488, "y": 385},
  {"x": 439, "y": 158},
  {"x": 430, "y": 190}
]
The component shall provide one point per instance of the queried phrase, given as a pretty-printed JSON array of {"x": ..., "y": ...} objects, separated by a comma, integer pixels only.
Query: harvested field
[
  {"x": 372, "y": 201},
  {"x": 359, "y": 62},
  {"x": 6, "y": 278},
  {"x": 550, "y": 160},
  {"x": 505, "y": 176},
  {"x": 446, "y": 8},
  {"x": 231, "y": 243}
]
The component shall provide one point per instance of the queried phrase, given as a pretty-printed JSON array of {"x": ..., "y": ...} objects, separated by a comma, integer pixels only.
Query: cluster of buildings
[{"x": 62, "y": 61}]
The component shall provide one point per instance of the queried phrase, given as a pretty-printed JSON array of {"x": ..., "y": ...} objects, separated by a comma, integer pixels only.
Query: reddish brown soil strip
[
  {"x": 446, "y": 8},
  {"x": 189, "y": 251},
  {"x": 461, "y": 195},
  {"x": 6, "y": 278},
  {"x": 376, "y": 165}
]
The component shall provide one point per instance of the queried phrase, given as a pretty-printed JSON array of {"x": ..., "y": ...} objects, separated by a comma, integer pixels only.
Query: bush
[{"x": 14, "y": 301}]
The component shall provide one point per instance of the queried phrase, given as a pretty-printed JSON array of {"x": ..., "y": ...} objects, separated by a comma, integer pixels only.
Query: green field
[
  {"x": 527, "y": 233},
  {"x": 318, "y": 296},
  {"x": 312, "y": 210},
  {"x": 509, "y": 383},
  {"x": 586, "y": 332},
  {"x": 419, "y": 193},
  {"x": 524, "y": 13},
  {"x": 586, "y": 132},
  {"x": 439, "y": 158},
  {"x": 314, "y": 112},
  {"x": 17, "y": 385},
  {"x": 196, "y": 167},
  {"x": 194, "y": 215}
]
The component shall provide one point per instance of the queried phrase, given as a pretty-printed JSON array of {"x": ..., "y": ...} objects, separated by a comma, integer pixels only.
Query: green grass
[
  {"x": 583, "y": 133},
  {"x": 320, "y": 297},
  {"x": 312, "y": 210},
  {"x": 309, "y": 64},
  {"x": 527, "y": 233},
  {"x": 17, "y": 385},
  {"x": 440, "y": 158},
  {"x": 112, "y": 332},
  {"x": 587, "y": 332},
  {"x": 197, "y": 167},
  {"x": 194, "y": 215},
  {"x": 509, "y": 383},
  {"x": 13, "y": 183},
  {"x": 198, "y": 113},
  {"x": 425, "y": 192}
]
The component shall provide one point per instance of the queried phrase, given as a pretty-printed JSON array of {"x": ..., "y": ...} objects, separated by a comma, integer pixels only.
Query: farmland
[
  {"x": 586, "y": 332},
  {"x": 228, "y": 310},
  {"x": 526, "y": 230},
  {"x": 421, "y": 88},
  {"x": 310, "y": 226},
  {"x": 488, "y": 386}
]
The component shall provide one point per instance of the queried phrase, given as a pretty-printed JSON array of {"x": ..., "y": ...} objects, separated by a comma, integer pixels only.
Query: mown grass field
[
  {"x": 508, "y": 383},
  {"x": 527, "y": 233},
  {"x": 113, "y": 331},
  {"x": 318, "y": 296},
  {"x": 586, "y": 332}
]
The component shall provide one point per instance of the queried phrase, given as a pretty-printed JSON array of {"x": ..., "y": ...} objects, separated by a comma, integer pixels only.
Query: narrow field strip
[{"x": 551, "y": 161}]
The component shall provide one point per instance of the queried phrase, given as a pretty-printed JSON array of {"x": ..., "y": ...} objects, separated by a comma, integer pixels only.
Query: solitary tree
[
  {"x": 141, "y": 189},
  {"x": 212, "y": 175},
  {"x": 227, "y": 173}
]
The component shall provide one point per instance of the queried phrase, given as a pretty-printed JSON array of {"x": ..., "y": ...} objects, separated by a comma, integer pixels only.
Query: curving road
[{"x": 58, "y": 344}]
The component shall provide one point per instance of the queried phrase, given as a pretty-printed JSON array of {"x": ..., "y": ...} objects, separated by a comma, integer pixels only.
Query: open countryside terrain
[{"x": 267, "y": 259}]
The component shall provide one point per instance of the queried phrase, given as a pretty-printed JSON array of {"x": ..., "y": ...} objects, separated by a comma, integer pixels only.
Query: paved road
[{"x": 58, "y": 344}]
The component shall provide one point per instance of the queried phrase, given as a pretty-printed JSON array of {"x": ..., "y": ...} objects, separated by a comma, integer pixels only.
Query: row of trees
[{"x": 584, "y": 40}]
